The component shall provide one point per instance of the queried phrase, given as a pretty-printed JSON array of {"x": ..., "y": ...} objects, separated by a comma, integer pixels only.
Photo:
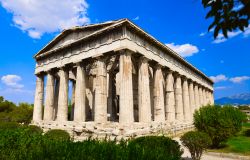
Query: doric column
[
  {"x": 62, "y": 114},
  {"x": 200, "y": 96},
  {"x": 73, "y": 100},
  {"x": 80, "y": 94},
  {"x": 204, "y": 96},
  {"x": 144, "y": 91},
  {"x": 186, "y": 102},
  {"x": 100, "y": 112},
  {"x": 170, "y": 99},
  {"x": 126, "y": 112},
  {"x": 178, "y": 99},
  {"x": 197, "y": 96},
  {"x": 159, "y": 113},
  {"x": 207, "y": 96},
  {"x": 49, "y": 100},
  {"x": 38, "y": 103},
  {"x": 111, "y": 96},
  {"x": 56, "y": 98},
  {"x": 191, "y": 98}
]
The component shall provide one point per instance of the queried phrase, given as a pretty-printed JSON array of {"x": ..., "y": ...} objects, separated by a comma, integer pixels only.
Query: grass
[
  {"x": 246, "y": 125},
  {"x": 239, "y": 144}
]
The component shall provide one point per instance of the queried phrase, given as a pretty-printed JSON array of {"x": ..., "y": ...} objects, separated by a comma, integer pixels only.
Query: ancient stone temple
[{"x": 124, "y": 83}]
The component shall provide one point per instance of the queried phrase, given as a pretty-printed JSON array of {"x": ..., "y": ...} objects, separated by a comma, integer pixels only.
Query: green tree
[
  {"x": 196, "y": 142},
  {"x": 228, "y": 15},
  {"x": 218, "y": 122},
  {"x": 1, "y": 99},
  {"x": 22, "y": 114},
  {"x": 6, "y": 108}
]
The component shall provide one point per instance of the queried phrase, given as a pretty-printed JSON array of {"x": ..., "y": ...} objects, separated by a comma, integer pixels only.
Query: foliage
[
  {"x": 57, "y": 134},
  {"x": 9, "y": 112},
  {"x": 219, "y": 123},
  {"x": 228, "y": 15},
  {"x": 154, "y": 147},
  {"x": 22, "y": 144},
  {"x": 9, "y": 126},
  {"x": 6, "y": 106},
  {"x": 1, "y": 99},
  {"x": 34, "y": 129},
  {"x": 22, "y": 114},
  {"x": 196, "y": 142}
]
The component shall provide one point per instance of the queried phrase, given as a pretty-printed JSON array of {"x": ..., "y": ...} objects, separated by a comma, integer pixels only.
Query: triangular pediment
[{"x": 73, "y": 34}]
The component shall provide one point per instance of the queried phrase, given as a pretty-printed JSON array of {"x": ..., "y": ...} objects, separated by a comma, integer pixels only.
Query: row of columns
[{"x": 174, "y": 98}]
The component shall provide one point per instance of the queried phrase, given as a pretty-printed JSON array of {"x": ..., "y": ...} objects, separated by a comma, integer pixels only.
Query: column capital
[
  {"x": 51, "y": 71},
  {"x": 169, "y": 71},
  {"x": 64, "y": 68},
  {"x": 100, "y": 58},
  {"x": 184, "y": 78},
  {"x": 39, "y": 74},
  {"x": 77, "y": 63},
  {"x": 158, "y": 66},
  {"x": 190, "y": 81},
  {"x": 144, "y": 59},
  {"x": 176, "y": 74},
  {"x": 126, "y": 51}
]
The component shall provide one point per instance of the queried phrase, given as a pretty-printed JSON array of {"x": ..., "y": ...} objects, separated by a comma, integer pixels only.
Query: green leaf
[{"x": 216, "y": 31}]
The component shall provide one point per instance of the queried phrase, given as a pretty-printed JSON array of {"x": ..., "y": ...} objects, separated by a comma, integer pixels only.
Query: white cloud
[
  {"x": 220, "y": 88},
  {"x": 239, "y": 79},
  {"x": 12, "y": 81},
  {"x": 37, "y": 17},
  {"x": 185, "y": 50},
  {"x": 219, "y": 78},
  {"x": 136, "y": 18}
]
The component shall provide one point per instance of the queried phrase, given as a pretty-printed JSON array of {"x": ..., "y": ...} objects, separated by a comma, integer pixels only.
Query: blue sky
[{"x": 26, "y": 26}]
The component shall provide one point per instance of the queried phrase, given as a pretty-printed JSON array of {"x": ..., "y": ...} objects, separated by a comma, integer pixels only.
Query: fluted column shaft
[
  {"x": 186, "y": 102},
  {"x": 100, "y": 114},
  {"x": 144, "y": 91},
  {"x": 204, "y": 96},
  {"x": 170, "y": 98},
  {"x": 38, "y": 104},
  {"x": 126, "y": 112},
  {"x": 197, "y": 96},
  {"x": 191, "y": 98},
  {"x": 62, "y": 114},
  {"x": 159, "y": 113},
  {"x": 178, "y": 99},
  {"x": 200, "y": 97},
  {"x": 73, "y": 100},
  {"x": 49, "y": 100},
  {"x": 207, "y": 97},
  {"x": 57, "y": 84},
  {"x": 111, "y": 94},
  {"x": 80, "y": 94}
]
